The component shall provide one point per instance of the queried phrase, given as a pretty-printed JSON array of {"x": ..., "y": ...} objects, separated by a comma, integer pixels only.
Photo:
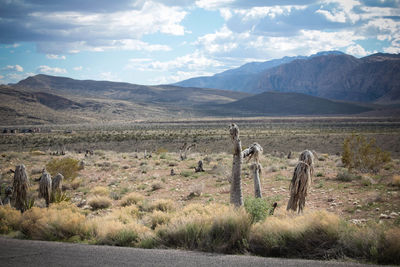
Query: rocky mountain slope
[{"x": 375, "y": 78}]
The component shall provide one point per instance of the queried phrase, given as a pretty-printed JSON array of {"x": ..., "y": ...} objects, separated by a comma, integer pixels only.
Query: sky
[{"x": 159, "y": 42}]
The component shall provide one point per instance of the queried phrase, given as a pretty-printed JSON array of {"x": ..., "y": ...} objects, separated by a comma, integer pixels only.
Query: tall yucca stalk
[
  {"x": 45, "y": 187},
  {"x": 20, "y": 188},
  {"x": 301, "y": 181}
]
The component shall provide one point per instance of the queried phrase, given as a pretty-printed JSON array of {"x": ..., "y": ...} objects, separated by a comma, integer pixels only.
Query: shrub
[
  {"x": 59, "y": 222},
  {"x": 59, "y": 197},
  {"x": 99, "y": 202},
  {"x": 257, "y": 208},
  {"x": 131, "y": 198},
  {"x": 396, "y": 180},
  {"x": 157, "y": 218},
  {"x": 165, "y": 205},
  {"x": 346, "y": 176},
  {"x": 363, "y": 154},
  {"x": 68, "y": 167},
  {"x": 100, "y": 191},
  {"x": 215, "y": 228},
  {"x": 314, "y": 235},
  {"x": 10, "y": 219}
]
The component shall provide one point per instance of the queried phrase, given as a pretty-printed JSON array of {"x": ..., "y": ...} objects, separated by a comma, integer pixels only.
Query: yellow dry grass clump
[
  {"x": 100, "y": 191},
  {"x": 120, "y": 228},
  {"x": 59, "y": 222},
  {"x": 10, "y": 219},
  {"x": 396, "y": 180},
  {"x": 99, "y": 202},
  {"x": 214, "y": 227},
  {"x": 131, "y": 198}
]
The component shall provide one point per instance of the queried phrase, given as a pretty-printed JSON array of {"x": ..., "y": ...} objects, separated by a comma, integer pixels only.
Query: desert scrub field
[
  {"x": 274, "y": 134},
  {"x": 134, "y": 199}
]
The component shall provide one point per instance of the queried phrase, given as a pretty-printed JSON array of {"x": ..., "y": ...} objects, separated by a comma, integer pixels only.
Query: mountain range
[
  {"x": 328, "y": 83},
  {"x": 333, "y": 75}
]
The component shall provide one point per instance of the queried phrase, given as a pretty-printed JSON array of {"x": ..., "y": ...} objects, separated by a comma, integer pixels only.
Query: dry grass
[
  {"x": 59, "y": 222},
  {"x": 131, "y": 198},
  {"x": 311, "y": 235},
  {"x": 218, "y": 228},
  {"x": 10, "y": 219},
  {"x": 396, "y": 180},
  {"x": 99, "y": 202},
  {"x": 100, "y": 191}
]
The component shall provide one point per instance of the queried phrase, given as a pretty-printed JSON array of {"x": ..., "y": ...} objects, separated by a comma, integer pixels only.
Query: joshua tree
[
  {"x": 20, "y": 188},
  {"x": 185, "y": 149},
  {"x": 301, "y": 181},
  {"x": 45, "y": 187},
  {"x": 56, "y": 184},
  {"x": 252, "y": 152}
]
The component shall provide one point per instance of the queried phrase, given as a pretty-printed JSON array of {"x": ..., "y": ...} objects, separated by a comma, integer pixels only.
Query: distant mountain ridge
[{"x": 333, "y": 75}]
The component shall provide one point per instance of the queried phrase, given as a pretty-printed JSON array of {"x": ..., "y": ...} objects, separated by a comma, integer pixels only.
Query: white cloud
[
  {"x": 50, "y": 70},
  {"x": 179, "y": 76},
  {"x": 357, "y": 50},
  {"x": 100, "y": 31},
  {"x": 213, "y": 4},
  {"x": 13, "y": 68},
  {"x": 52, "y": 56},
  {"x": 78, "y": 68}
]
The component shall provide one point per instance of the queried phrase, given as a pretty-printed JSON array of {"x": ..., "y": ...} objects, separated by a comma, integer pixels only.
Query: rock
[
  {"x": 358, "y": 211},
  {"x": 330, "y": 199},
  {"x": 377, "y": 209},
  {"x": 394, "y": 214},
  {"x": 359, "y": 206},
  {"x": 333, "y": 204},
  {"x": 355, "y": 203}
]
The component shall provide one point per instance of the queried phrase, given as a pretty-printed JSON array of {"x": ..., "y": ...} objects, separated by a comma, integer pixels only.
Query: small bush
[
  {"x": 363, "y": 154},
  {"x": 10, "y": 219},
  {"x": 214, "y": 228},
  {"x": 131, "y": 198},
  {"x": 396, "y": 180},
  {"x": 59, "y": 222},
  {"x": 314, "y": 235},
  {"x": 346, "y": 176},
  {"x": 165, "y": 205},
  {"x": 100, "y": 191},
  {"x": 68, "y": 167},
  {"x": 156, "y": 186},
  {"x": 257, "y": 208},
  {"x": 157, "y": 218},
  {"x": 99, "y": 202}
]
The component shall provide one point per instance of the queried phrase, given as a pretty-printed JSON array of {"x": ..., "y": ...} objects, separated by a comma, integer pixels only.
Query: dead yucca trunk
[
  {"x": 20, "y": 188},
  {"x": 184, "y": 150},
  {"x": 256, "y": 167},
  {"x": 56, "y": 183},
  {"x": 301, "y": 181},
  {"x": 45, "y": 187},
  {"x": 253, "y": 151}
]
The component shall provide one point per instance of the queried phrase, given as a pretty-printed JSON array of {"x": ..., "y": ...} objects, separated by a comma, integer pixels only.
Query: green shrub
[
  {"x": 257, "y": 208},
  {"x": 68, "y": 167},
  {"x": 363, "y": 154},
  {"x": 346, "y": 176}
]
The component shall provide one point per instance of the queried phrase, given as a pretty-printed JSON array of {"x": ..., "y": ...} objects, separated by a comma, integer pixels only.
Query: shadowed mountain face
[
  {"x": 163, "y": 94},
  {"x": 282, "y": 104},
  {"x": 375, "y": 78}
]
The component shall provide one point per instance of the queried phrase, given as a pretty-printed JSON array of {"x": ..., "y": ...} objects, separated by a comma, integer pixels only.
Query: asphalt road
[{"x": 15, "y": 252}]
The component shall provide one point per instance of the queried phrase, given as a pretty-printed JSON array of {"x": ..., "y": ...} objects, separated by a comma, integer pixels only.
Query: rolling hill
[
  {"x": 333, "y": 75},
  {"x": 282, "y": 104}
]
